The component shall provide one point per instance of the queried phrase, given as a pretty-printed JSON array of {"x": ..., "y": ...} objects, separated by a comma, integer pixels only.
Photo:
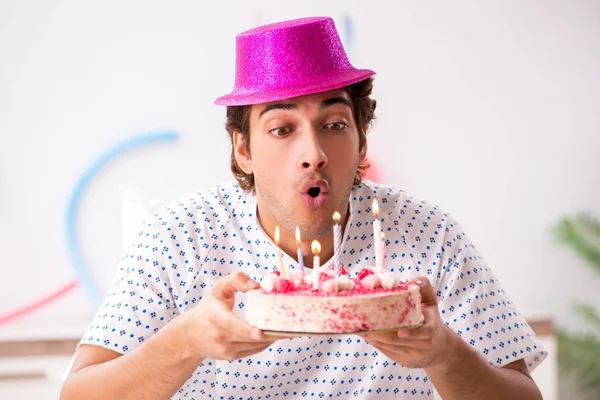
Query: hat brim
[{"x": 248, "y": 97}]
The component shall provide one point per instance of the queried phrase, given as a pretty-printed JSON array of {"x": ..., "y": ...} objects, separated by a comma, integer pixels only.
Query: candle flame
[
  {"x": 375, "y": 208},
  {"x": 316, "y": 247},
  {"x": 277, "y": 234},
  {"x": 298, "y": 238},
  {"x": 336, "y": 216},
  {"x": 383, "y": 235}
]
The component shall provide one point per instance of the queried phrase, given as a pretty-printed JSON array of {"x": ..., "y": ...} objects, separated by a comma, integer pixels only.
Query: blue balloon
[{"x": 80, "y": 187}]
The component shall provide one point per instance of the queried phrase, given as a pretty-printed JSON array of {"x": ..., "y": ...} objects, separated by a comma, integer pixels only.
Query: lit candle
[
  {"x": 298, "y": 242},
  {"x": 382, "y": 248},
  {"x": 337, "y": 244},
  {"x": 278, "y": 252},
  {"x": 377, "y": 237},
  {"x": 316, "y": 249}
]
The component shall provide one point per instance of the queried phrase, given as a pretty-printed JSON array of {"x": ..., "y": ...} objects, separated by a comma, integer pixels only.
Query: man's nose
[{"x": 313, "y": 157}]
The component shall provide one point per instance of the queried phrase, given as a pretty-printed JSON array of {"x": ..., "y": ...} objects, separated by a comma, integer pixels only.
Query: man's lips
[
  {"x": 321, "y": 184},
  {"x": 314, "y": 202},
  {"x": 314, "y": 193}
]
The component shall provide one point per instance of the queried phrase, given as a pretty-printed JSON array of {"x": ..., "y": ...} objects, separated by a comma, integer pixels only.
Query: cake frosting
[{"x": 368, "y": 302}]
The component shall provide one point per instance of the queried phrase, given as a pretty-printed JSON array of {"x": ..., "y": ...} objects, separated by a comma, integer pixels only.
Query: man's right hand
[
  {"x": 215, "y": 331},
  {"x": 158, "y": 368}
]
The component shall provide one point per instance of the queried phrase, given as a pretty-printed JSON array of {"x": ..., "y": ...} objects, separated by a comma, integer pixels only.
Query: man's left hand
[{"x": 422, "y": 347}]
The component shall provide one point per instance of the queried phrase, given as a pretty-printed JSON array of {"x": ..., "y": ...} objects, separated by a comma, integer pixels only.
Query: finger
[
  {"x": 247, "y": 346},
  {"x": 392, "y": 349},
  {"x": 389, "y": 339},
  {"x": 264, "y": 339},
  {"x": 396, "y": 344},
  {"x": 225, "y": 288},
  {"x": 252, "y": 351},
  {"x": 428, "y": 297},
  {"x": 235, "y": 351},
  {"x": 423, "y": 332},
  {"x": 270, "y": 338},
  {"x": 239, "y": 330},
  {"x": 400, "y": 337}
]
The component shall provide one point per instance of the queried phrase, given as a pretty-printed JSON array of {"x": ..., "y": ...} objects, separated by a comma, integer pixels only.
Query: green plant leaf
[
  {"x": 580, "y": 355},
  {"x": 589, "y": 315},
  {"x": 581, "y": 233}
]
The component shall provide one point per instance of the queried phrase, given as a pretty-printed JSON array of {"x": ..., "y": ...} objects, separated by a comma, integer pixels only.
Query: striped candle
[
  {"x": 299, "y": 244},
  {"x": 337, "y": 245}
]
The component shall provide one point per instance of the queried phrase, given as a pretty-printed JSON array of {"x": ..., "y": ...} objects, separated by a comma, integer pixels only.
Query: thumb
[
  {"x": 428, "y": 297},
  {"x": 225, "y": 288}
]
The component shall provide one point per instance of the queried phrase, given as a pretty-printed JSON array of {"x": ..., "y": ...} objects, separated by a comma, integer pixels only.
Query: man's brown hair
[{"x": 238, "y": 120}]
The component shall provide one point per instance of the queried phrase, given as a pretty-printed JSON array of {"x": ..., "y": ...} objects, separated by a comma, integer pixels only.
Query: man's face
[{"x": 304, "y": 153}]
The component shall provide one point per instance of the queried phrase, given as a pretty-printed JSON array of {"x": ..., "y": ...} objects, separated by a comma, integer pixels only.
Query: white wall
[{"x": 489, "y": 109}]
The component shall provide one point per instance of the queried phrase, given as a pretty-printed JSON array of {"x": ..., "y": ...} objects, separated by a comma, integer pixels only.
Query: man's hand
[
  {"x": 420, "y": 347},
  {"x": 215, "y": 331}
]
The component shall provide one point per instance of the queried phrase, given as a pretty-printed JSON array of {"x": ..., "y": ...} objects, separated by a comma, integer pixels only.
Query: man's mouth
[
  {"x": 314, "y": 193},
  {"x": 314, "y": 187}
]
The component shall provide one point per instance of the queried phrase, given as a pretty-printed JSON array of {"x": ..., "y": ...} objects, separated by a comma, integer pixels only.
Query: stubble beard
[{"x": 282, "y": 210}]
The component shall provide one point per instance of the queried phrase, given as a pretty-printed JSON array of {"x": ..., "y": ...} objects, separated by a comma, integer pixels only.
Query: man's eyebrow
[
  {"x": 277, "y": 106},
  {"x": 335, "y": 100}
]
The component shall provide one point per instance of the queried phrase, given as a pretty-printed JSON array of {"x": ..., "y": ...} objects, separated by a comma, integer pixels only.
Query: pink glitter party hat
[{"x": 288, "y": 59}]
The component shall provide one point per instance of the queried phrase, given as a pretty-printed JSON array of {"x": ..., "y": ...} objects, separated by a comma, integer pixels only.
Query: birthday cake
[{"x": 369, "y": 302}]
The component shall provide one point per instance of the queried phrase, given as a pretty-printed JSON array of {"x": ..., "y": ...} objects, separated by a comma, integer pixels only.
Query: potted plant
[{"x": 579, "y": 353}]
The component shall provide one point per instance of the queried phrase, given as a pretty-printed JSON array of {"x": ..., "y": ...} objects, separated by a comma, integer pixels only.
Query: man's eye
[
  {"x": 279, "y": 132},
  {"x": 336, "y": 126}
]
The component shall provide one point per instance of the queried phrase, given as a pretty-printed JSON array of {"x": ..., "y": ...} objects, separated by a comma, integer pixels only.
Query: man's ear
[{"x": 242, "y": 153}]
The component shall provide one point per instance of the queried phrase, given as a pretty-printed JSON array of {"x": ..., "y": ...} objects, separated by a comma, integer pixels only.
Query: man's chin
[{"x": 315, "y": 223}]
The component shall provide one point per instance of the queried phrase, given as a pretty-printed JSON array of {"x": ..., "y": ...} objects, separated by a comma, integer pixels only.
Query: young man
[{"x": 170, "y": 325}]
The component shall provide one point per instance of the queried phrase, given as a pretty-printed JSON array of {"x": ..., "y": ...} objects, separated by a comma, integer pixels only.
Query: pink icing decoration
[
  {"x": 329, "y": 286},
  {"x": 371, "y": 281},
  {"x": 369, "y": 284},
  {"x": 358, "y": 290},
  {"x": 363, "y": 273},
  {"x": 283, "y": 285}
]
